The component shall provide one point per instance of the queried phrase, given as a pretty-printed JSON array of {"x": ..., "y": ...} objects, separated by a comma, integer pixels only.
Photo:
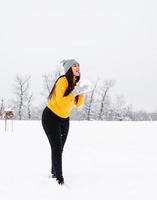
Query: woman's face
[{"x": 76, "y": 70}]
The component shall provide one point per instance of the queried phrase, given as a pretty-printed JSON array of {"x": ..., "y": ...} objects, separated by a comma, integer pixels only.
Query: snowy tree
[
  {"x": 48, "y": 82},
  {"x": 153, "y": 116},
  {"x": 21, "y": 90},
  {"x": 36, "y": 112},
  {"x": 77, "y": 114},
  {"x": 106, "y": 85},
  {"x": 84, "y": 115},
  {"x": 88, "y": 110},
  {"x": 2, "y": 106},
  {"x": 142, "y": 115},
  {"x": 91, "y": 101},
  {"x": 119, "y": 108},
  {"x": 29, "y": 104}
]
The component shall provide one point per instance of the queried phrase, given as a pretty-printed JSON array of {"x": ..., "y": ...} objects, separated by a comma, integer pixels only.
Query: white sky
[{"x": 111, "y": 39}]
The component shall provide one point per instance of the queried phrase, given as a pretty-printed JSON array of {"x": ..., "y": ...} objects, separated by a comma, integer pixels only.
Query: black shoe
[{"x": 60, "y": 180}]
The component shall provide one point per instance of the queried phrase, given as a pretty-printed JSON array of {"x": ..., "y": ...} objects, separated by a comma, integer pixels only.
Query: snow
[{"x": 101, "y": 160}]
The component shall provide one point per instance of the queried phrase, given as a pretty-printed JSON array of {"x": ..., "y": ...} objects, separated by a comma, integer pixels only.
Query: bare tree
[
  {"x": 91, "y": 100},
  {"x": 153, "y": 115},
  {"x": 107, "y": 84},
  {"x": 119, "y": 108},
  {"x": 48, "y": 82},
  {"x": 142, "y": 115},
  {"x": 1, "y": 106},
  {"x": 21, "y": 86},
  {"x": 29, "y": 106},
  {"x": 86, "y": 110}
]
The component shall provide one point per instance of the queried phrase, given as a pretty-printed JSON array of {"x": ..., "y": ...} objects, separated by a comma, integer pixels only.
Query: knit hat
[{"x": 66, "y": 64}]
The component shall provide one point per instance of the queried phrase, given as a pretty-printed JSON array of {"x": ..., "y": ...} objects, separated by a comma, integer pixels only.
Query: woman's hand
[{"x": 79, "y": 89}]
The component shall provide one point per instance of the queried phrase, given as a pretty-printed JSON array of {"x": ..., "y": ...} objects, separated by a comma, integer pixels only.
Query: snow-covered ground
[{"x": 101, "y": 160}]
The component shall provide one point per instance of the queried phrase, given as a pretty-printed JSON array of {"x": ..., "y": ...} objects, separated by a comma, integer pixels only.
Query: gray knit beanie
[{"x": 68, "y": 63}]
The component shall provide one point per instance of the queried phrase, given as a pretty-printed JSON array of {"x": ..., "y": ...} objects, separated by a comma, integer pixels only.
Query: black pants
[{"x": 56, "y": 129}]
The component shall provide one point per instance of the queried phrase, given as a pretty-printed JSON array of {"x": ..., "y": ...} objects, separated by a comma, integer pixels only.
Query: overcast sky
[{"x": 111, "y": 39}]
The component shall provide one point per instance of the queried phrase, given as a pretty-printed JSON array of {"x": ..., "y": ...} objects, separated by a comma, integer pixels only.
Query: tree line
[{"x": 98, "y": 104}]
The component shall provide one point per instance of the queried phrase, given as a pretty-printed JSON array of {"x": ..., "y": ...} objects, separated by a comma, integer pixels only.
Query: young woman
[{"x": 65, "y": 94}]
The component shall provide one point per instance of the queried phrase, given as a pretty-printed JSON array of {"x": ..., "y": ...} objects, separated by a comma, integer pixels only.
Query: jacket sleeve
[
  {"x": 80, "y": 100},
  {"x": 60, "y": 89}
]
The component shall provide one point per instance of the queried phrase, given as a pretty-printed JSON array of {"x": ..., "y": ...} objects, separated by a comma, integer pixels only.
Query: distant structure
[{"x": 8, "y": 114}]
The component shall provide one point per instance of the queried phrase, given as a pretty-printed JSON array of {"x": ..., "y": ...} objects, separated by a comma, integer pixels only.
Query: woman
[{"x": 65, "y": 94}]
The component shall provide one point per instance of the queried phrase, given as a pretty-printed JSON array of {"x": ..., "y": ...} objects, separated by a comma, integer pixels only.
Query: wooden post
[
  {"x": 5, "y": 124},
  {"x": 8, "y": 115}
]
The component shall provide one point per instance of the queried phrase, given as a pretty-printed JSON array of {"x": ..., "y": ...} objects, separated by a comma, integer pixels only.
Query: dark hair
[{"x": 69, "y": 76}]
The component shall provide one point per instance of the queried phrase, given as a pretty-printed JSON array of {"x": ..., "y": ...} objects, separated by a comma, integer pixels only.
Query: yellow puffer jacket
[{"x": 62, "y": 105}]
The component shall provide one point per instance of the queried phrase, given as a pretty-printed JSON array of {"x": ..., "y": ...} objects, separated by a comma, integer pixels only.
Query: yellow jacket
[{"x": 62, "y": 105}]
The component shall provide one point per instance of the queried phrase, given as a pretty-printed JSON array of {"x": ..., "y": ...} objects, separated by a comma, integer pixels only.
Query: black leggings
[{"x": 56, "y": 129}]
